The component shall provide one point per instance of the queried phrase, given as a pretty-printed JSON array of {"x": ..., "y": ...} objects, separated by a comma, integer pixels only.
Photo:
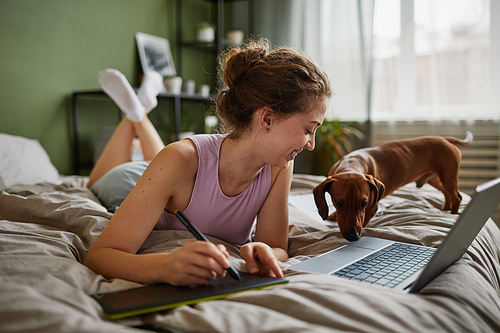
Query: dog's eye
[
  {"x": 363, "y": 205},
  {"x": 340, "y": 205}
]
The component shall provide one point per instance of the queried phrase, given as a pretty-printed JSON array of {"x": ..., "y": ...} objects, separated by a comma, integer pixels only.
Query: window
[{"x": 434, "y": 59}]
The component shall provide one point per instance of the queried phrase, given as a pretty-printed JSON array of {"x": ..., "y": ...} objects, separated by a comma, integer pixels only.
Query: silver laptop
[{"x": 403, "y": 266}]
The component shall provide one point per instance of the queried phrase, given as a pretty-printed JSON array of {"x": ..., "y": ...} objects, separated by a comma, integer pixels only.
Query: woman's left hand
[{"x": 260, "y": 259}]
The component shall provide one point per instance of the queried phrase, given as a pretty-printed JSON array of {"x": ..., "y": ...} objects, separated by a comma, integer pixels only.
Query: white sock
[
  {"x": 151, "y": 86},
  {"x": 116, "y": 86}
]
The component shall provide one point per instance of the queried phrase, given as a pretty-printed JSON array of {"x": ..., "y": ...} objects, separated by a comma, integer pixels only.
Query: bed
[{"x": 48, "y": 223}]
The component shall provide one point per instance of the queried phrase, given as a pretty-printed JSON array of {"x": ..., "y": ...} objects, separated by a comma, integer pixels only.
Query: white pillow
[{"x": 24, "y": 161}]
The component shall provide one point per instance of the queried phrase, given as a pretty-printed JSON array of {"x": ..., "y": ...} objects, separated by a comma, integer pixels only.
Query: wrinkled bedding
[{"x": 47, "y": 229}]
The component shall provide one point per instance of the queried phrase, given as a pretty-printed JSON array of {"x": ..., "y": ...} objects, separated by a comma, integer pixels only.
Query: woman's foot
[
  {"x": 151, "y": 86},
  {"x": 116, "y": 86}
]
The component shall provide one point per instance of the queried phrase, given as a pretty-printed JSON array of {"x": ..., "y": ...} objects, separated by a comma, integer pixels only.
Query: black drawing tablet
[{"x": 159, "y": 297}]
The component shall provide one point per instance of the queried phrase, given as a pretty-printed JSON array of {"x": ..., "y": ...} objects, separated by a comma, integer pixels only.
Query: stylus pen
[{"x": 199, "y": 236}]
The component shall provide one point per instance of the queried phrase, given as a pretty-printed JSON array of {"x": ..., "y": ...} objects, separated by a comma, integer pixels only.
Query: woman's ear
[{"x": 266, "y": 118}]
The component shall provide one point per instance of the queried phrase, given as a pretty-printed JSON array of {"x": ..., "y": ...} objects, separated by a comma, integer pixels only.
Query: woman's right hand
[{"x": 195, "y": 263}]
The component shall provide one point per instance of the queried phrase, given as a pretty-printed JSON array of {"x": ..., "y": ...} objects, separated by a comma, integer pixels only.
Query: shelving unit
[
  {"x": 220, "y": 43},
  {"x": 78, "y": 164},
  {"x": 213, "y": 49}
]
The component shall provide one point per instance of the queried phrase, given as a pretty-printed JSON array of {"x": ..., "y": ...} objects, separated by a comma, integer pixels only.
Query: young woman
[{"x": 274, "y": 102}]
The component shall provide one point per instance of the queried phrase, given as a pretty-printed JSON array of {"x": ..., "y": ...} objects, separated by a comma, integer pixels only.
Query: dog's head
[{"x": 355, "y": 197}]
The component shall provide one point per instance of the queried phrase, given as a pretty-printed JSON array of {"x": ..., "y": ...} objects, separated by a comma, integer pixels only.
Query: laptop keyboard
[{"x": 388, "y": 266}]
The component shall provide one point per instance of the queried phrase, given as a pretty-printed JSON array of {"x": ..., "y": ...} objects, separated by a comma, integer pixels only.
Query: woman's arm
[
  {"x": 168, "y": 181},
  {"x": 271, "y": 234}
]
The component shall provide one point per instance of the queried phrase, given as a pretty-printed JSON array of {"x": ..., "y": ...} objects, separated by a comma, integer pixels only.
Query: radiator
[{"x": 480, "y": 160}]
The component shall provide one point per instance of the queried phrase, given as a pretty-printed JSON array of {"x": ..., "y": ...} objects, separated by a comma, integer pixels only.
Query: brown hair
[{"x": 285, "y": 80}]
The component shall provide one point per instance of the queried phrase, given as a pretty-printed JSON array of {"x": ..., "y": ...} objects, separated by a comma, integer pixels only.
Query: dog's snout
[{"x": 351, "y": 234}]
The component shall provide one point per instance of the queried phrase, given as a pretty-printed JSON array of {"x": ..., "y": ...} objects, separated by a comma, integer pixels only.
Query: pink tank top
[{"x": 210, "y": 210}]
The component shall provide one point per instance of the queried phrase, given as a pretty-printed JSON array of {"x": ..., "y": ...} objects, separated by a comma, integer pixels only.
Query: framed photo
[{"x": 155, "y": 54}]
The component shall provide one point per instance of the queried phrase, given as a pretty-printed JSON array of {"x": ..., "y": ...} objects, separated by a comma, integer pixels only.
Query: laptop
[{"x": 402, "y": 266}]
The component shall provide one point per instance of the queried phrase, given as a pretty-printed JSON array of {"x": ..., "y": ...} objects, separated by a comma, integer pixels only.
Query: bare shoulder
[
  {"x": 177, "y": 161},
  {"x": 181, "y": 153}
]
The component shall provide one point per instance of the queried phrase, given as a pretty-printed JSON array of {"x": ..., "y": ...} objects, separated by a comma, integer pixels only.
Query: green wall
[{"x": 49, "y": 48}]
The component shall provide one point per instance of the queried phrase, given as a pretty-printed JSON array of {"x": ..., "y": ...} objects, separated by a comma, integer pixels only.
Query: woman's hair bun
[{"x": 239, "y": 60}]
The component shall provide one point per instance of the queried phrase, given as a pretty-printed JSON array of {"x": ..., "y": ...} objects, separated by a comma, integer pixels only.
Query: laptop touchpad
[
  {"x": 333, "y": 260},
  {"x": 344, "y": 256}
]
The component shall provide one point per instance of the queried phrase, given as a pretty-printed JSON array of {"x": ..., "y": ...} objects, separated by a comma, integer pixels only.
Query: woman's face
[{"x": 291, "y": 135}]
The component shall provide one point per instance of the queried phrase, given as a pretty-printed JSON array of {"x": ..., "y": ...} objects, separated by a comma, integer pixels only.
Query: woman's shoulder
[
  {"x": 187, "y": 150},
  {"x": 181, "y": 153},
  {"x": 208, "y": 145},
  {"x": 207, "y": 139}
]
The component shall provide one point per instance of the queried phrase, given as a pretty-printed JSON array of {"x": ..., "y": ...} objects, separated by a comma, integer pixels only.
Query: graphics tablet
[{"x": 159, "y": 297}]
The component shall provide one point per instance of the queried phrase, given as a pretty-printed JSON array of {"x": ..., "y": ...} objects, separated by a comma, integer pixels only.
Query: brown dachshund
[{"x": 360, "y": 179}]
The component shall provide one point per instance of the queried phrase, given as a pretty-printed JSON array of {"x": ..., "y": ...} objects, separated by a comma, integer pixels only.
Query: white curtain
[{"x": 337, "y": 34}]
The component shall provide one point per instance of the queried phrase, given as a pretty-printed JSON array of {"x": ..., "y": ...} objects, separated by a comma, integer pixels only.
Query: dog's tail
[{"x": 461, "y": 143}]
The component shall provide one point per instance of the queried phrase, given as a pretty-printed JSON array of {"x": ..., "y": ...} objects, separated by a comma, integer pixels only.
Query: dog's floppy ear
[
  {"x": 379, "y": 188},
  {"x": 319, "y": 197}
]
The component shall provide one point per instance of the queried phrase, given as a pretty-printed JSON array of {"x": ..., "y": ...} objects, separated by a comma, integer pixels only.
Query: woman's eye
[{"x": 308, "y": 132}]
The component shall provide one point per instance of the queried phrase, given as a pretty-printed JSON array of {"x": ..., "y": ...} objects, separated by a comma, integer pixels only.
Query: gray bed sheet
[{"x": 47, "y": 229}]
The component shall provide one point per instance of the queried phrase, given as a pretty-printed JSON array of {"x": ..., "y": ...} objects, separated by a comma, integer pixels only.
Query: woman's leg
[
  {"x": 117, "y": 151},
  {"x": 135, "y": 124},
  {"x": 119, "y": 146},
  {"x": 151, "y": 143}
]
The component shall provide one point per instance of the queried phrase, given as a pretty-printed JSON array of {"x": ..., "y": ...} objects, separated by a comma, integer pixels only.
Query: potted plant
[
  {"x": 205, "y": 32},
  {"x": 334, "y": 139}
]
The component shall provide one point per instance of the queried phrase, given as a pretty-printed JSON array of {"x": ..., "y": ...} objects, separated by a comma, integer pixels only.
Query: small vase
[{"x": 205, "y": 35}]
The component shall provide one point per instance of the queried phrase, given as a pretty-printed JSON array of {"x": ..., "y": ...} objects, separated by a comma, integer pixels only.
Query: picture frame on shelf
[{"x": 155, "y": 54}]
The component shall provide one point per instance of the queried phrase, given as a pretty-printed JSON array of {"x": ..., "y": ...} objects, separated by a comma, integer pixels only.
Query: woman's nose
[{"x": 310, "y": 144}]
